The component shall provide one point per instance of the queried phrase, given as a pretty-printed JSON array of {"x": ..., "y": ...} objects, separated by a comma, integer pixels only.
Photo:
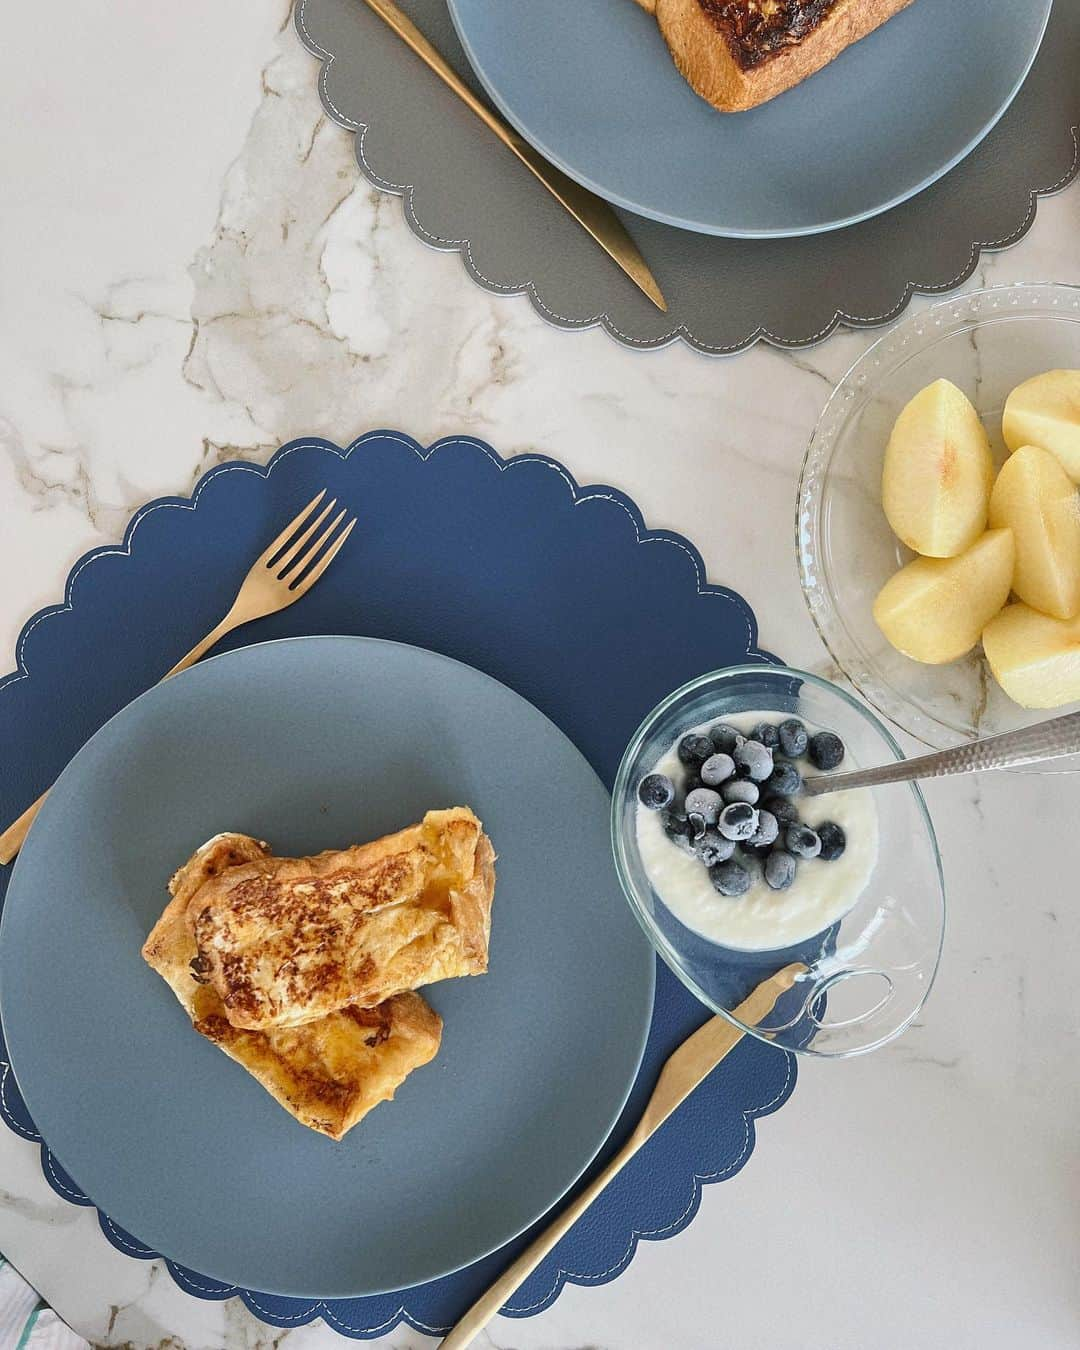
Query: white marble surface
[{"x": 191, "y": 272}]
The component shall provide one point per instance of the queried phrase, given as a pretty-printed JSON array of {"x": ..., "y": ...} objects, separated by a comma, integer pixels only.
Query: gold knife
[
  {"x": 684, "y": 1069},
  {"x": 587, "y": 209}
]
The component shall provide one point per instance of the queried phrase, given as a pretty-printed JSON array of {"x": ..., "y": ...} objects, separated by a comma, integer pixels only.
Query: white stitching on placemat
[
  {"x": 839, "y": 316},
  {"x": 321, "y": 1308},
  {"x": 603, "y": 319},
  {"x": 49, "y": 1164},
  {"x": 31, "y": 1135},
  {"x": 121, "y": 1241},
  {"x": 327, "y": 61},
  {"x": 122, "y": 550},
  {"x": 307, "y": 1314},
  {"x": 579, "y": 495},
  {"x": 562, "y": 1274},
  {"x": 188, "y": 1278}
]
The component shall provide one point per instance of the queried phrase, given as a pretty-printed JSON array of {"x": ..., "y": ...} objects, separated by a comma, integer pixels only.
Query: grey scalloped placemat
[{"x": 462, "y": 191}]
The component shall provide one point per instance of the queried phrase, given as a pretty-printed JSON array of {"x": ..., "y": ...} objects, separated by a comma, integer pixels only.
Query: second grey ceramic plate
[
  {"x": 594, "y": 88},
  {"x": 313, "y": 743}
]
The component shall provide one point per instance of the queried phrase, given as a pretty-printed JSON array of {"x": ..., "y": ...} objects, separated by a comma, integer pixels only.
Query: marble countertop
[{"x": 191, "y": 272}]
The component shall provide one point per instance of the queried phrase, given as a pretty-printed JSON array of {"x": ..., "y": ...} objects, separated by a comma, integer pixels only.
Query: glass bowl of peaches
[{"x": 938, "y": 519}]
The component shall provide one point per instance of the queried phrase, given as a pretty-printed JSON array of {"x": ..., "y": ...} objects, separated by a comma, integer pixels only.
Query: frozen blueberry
[
  {"x": 704, "y": 802},
  {"x": 755, "y": 759},
  {"x": 717, "y": 769},
  {"x": 802, "y": 841},
  {"x": 793, "y": 738},
  {"x": 766, "y": 734},
  {"x": 713, "y": 848},
  {"x": 730, "y": 878},
  {"x": 782, "y": 809},
  {"x": 656, "y": 790},
  {"x": 826, "y": 750},
  {"x": 768, "y": 828},
  {"x": 695, "y": 826},
  {"x": 738, "y": 821},
  {"x": 833, "y": 841},
  {"x": 779, "y": 870},
  {"x": 740, "y": 790},
  {"x": 677, "y": 829},
  {"x": 725, "y": 738},
  {"x": 694, "y": 750},
  {"x": 785, "y": 779}
]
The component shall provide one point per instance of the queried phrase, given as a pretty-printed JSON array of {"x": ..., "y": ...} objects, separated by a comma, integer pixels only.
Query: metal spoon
[{"x": 1045, "y": 740}]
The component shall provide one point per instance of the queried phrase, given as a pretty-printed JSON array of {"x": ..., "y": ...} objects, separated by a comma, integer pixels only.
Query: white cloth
[{"x": 25, "y": 1322}]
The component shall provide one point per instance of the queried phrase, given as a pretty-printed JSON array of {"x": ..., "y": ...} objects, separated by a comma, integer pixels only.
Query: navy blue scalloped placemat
[{"x": 561, "y": 592}]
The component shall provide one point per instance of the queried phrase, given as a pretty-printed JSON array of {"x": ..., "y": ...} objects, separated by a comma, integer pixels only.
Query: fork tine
[
  {"x": 282, "y": 565},
  {"x": 311, "y": 552},
  {"x": 292, "y": 526},
  {"x": 325, "y": 561}
]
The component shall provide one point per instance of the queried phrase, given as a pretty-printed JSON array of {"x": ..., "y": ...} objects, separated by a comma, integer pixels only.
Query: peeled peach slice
[
  {"x": 935, "y": 486},
  {"x": 1036, "y": 499},
  {"x": 1045, "y": 411},
  {"x": 1035, "y": 659},
  {"x": 935, "y": 609}
]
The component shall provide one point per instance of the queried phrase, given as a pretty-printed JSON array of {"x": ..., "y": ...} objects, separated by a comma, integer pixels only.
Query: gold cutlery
[
  {"x": 692, "y": 1062},
  {"x": 276, "y": 580},
  {"x": 593, "y": 214}
]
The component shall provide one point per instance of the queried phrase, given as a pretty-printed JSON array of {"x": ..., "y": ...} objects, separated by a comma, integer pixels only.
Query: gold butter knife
[
  {"x": 587, "y": 209},
  {"x": 689, "y": 1065}
]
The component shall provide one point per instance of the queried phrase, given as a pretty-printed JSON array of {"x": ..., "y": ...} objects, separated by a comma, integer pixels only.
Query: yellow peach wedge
[
  {"x": 1036, "y": 499},
  {"x": 935, "y": 485},
  {"x": 1045, "y": 411},
  {"x": 1035, "y": 659},
  {"x": 935, "y": 609}
]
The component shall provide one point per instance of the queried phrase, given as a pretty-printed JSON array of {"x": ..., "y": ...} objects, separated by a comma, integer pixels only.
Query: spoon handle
[{"x": 1045, "y": 740}]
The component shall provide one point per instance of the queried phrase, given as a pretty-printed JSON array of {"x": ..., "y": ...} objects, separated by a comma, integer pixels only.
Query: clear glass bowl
[
  {"x": 869, "y": 974},
  {"x": 986, "y": 343}
]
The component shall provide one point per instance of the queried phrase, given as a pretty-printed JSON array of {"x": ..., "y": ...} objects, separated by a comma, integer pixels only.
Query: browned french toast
[
  {"x": 739, "y": 53},
  {"x": 283, "y": 941},
  {"x": 327, "y": 1073}
]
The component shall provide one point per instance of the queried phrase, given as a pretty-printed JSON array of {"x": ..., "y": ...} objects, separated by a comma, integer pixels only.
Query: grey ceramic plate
[
  {"x": 311, "y": 743},
  {"x": 594, "y": 88},
  {"x": 462, "y": 191}
]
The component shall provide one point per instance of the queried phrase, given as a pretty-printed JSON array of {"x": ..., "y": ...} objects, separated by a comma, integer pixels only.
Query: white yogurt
[{"x": 763, "y": 919}]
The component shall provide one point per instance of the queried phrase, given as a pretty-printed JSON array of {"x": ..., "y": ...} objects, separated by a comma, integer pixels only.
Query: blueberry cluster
[{"x": 734, "y": 807}]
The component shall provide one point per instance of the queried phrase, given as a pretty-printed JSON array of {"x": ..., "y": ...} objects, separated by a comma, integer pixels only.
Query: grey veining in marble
[{"x": 165, "y": 311}]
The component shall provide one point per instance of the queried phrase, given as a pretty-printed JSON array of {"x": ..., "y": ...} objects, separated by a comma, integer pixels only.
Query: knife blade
[{"x": 592, "y": 213}]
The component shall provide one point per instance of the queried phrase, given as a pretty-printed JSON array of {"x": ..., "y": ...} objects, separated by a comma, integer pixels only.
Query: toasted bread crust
[
  {"x": 328, "y": 1073},
  {"x": 738, "y": 54},
  {"x": 286, "y": 940}
]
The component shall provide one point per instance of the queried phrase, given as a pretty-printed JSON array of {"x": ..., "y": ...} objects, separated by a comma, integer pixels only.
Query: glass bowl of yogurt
[{"x": 865, "y": 910}]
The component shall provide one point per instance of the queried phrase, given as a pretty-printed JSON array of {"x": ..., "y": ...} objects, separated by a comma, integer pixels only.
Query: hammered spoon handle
[{"x": 1029, "y": 745}]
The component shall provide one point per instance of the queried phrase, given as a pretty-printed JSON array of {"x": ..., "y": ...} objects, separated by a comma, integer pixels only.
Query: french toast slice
[
  {"x": 328, "y": 1073},
  {"x": 738, "y": 54},
  {"x": 283, "y": 941}
]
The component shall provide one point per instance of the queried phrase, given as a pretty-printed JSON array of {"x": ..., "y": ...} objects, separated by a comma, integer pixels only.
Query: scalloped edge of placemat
[
  {"x": 292, "y": 1312},
  {"x": 406, "y": 191},
  {"x": 306, "y": 1311}
]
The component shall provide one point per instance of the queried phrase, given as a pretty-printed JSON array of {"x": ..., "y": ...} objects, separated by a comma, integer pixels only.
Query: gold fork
[{"x": 277, "y": 579}]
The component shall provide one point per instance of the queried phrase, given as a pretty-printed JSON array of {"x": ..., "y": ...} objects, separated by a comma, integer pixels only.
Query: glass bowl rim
[
  {"x": 660, "y": 943},
  {"x": 821, "y": 605}
]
